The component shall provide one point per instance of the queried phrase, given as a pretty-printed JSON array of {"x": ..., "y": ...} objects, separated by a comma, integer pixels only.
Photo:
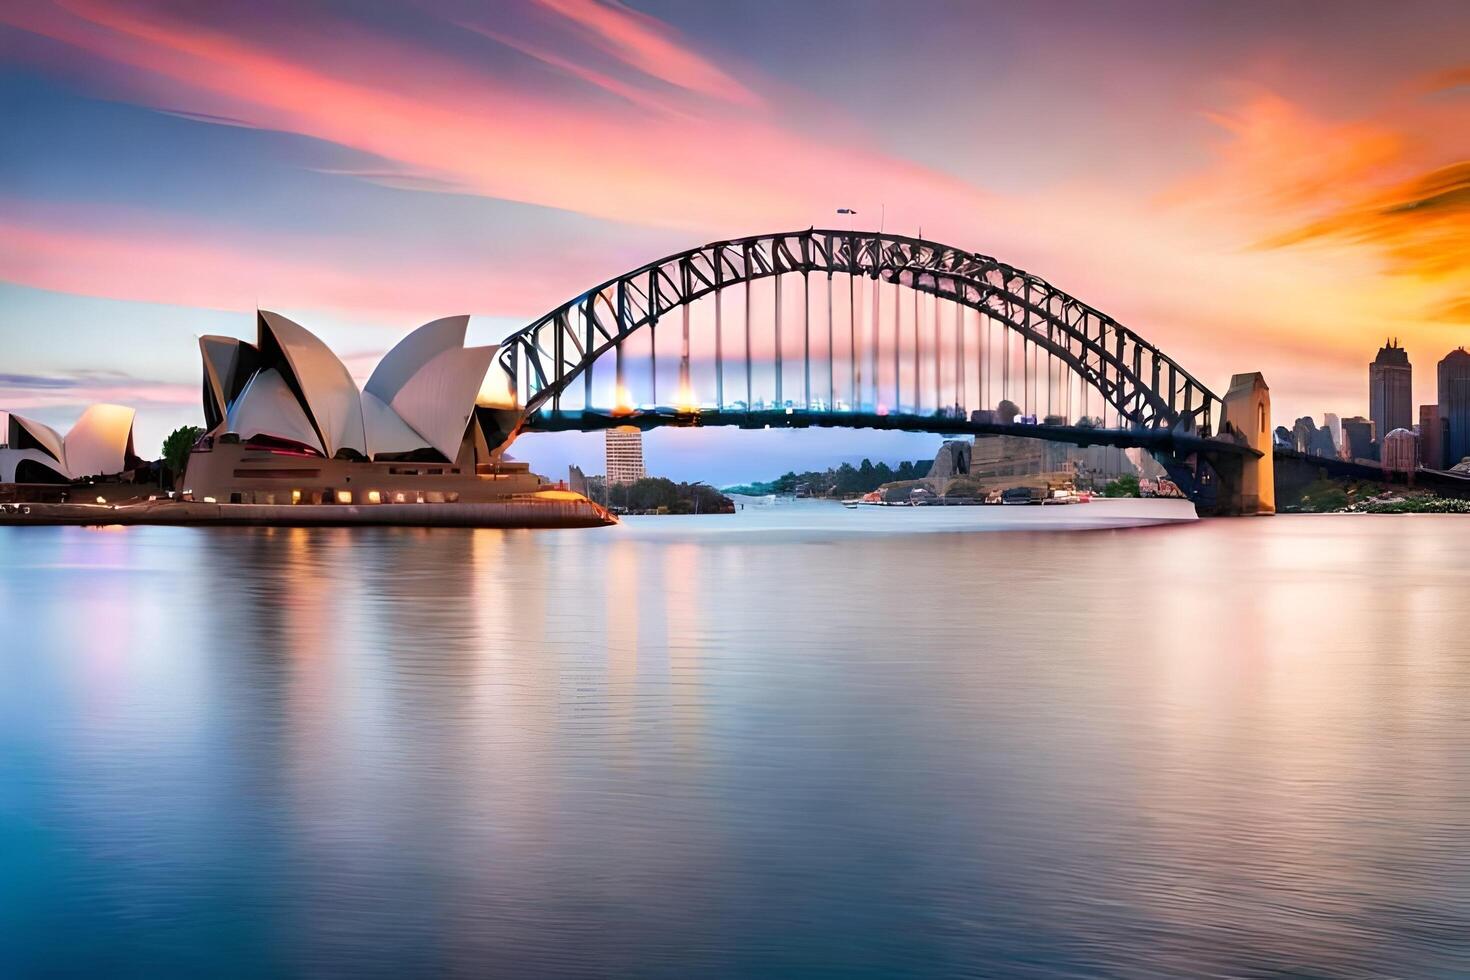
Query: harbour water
[{"x": 798, "y": 740}]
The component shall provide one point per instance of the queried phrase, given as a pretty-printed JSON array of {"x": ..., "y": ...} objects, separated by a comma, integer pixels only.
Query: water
[{"x": 783, "y": 743}]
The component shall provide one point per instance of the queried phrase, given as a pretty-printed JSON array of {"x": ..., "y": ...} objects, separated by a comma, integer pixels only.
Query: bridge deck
[{"x": 1153, "y": 439}]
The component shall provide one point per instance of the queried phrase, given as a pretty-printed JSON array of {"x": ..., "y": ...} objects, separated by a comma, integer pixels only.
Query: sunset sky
[{"x": 1268, "y": 186}]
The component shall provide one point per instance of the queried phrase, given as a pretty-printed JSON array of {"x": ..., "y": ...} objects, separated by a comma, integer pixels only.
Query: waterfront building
[
  {"x": 1358, "y": 437},
  {"x": 1454, "y": 403},
  {"x": 1400, "y": 451},
  {"x": 99, "y": 445},
  {"x": 288, "y": 425},
  {"x": 1433, "y": 429},
  {"x": 624, "y": 455},
  {"x": 1390, "y": 389}
]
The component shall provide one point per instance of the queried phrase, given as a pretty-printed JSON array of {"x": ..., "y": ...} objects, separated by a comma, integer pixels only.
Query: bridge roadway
[{"x": 1164, "y": 440}]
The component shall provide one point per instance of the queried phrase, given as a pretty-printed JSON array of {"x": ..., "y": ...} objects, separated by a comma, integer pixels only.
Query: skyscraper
[
  {"x": 1454, "y": 403},
  {"x": 1431, "y": 437},
  {"x": 1391, "y": 389},
  {"x": 624, "y": 448}
]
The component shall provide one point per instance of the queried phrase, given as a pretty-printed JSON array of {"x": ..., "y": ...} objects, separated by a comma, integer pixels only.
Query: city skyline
[{"x": 176, "y": 170}]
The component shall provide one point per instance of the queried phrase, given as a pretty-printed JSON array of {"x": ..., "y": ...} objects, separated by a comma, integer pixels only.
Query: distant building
[
  {"x": 1323, "y": 444},
  {"x": 576, "y": 480},
  {"x": 1433, "y": 430},
  {"x": 1357, "y": 435},
  {"x": 1333, "y": 424},
  {"x": 1400, "y": 451},
  {"x": 1306, "y": 437},
  {"x": 953, "y": 459},
  {"x": 1390, "y": 389},
  {"x": 624, "y": 449},
  {"x": 1454, "y": 403}
]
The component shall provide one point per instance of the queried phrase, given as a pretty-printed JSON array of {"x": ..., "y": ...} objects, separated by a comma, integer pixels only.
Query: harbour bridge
[{"x": 821, "y": 328}]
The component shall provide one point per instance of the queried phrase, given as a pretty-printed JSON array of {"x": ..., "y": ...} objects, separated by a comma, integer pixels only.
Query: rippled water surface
[{"x": 780, "y": 743}]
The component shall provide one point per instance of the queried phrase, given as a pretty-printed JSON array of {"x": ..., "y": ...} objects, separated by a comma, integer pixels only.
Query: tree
[
  {"x": 1124, "y": 486},
  {"x": 176, "y": 448}
]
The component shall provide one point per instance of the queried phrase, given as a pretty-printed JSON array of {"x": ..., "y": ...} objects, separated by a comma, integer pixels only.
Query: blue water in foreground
[{"x": 777, "y": 744}]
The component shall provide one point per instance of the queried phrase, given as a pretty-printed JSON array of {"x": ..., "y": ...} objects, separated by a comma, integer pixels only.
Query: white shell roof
[
  {"x": 221, "y": 355},
  {"x": 48, "y": 437},
  {"x": 11, "y": 458},
  {"x": 411, "y": 353},
  {"x": 330, "y": 392},
  {"x": 440, "y": 396},
  {"x": 98, "y": 443},
  {"x": 386, "y": 432},
  {"x": 268, "y": 407}
]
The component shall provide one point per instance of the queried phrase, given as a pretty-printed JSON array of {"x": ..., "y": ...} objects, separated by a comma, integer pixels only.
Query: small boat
[{"x": 850, "y": 504}]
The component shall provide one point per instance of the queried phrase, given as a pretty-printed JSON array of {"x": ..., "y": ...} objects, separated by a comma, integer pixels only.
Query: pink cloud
[
  {"x": 128, "y": 255},
  {"x": 464, "y": 127},
  {"x": 652, "y": 47}
]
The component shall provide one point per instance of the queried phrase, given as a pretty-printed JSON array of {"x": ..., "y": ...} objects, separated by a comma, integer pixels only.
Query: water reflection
[{"x": 1228, "y": 748}]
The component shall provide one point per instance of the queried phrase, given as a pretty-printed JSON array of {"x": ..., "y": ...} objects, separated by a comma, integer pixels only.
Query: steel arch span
[{"x": 544, "y": 364}]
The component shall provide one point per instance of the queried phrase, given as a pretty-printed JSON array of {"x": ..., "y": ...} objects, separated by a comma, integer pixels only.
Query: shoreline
[{"x": 511, "y": 514}]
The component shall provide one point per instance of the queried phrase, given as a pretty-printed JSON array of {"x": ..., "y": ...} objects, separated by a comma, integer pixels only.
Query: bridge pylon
[{"x": 1248, "y": 483}]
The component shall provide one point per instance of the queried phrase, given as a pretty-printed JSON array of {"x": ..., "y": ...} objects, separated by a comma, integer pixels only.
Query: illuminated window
[
  {"x": 344, "y": 496},
  {"x": 400, "y": 498},
  {"x": 373, "y": 497},
  {"x": 295, "y": 496}
]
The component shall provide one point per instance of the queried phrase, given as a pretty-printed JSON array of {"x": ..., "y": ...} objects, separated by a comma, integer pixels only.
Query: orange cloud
[{"x": 1423, "y": 224}]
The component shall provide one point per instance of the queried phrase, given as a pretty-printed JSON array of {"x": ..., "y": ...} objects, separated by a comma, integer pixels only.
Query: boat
[{"x": 1023, "y": 495}]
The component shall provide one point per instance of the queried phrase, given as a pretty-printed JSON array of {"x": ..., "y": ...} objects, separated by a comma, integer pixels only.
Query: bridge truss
[{"x": 943, "y": 362}]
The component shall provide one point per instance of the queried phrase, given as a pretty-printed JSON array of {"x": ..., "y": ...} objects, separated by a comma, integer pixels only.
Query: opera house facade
[{"x": 287, "y": 424}]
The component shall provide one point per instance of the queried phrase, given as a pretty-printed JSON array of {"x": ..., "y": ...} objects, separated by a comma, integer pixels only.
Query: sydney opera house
[
  {"x": 287, "y": 424},
  {"x": 286, "y": 428}
]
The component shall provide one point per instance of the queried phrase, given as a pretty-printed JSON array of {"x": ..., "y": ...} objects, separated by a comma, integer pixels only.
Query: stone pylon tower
[{"x": 1248, "y": 414}]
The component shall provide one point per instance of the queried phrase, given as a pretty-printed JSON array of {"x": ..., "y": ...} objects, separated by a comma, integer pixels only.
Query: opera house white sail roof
[
  {"x": 100, "y": 443},
  {"x": 290, "y": 388}
]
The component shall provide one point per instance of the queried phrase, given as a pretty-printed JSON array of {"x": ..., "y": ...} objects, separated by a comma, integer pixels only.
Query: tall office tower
[
  {"x": 1454, "y": 403},
  {"x": 1431, "y": 437},
  {"x": 624, "y": 448},
  {"x": 1358, "y": 434},
  {"x": 1391, "y": 389}
]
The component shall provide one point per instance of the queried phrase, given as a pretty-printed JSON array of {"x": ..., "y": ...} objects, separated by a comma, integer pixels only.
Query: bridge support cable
[
  {"x": 831, "y": 352},
  {"x": 854, "y": 379},
  {"x": 918, "y": 377},
  {"x": 873, "y": 346},
  {"x": 777, "y": 335},
  {"x": 960, "y": 374},
  {"x": 719, "y": 351},
  {"x": 806, "y": 338},
  {"x": 749, "y": 366}
]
